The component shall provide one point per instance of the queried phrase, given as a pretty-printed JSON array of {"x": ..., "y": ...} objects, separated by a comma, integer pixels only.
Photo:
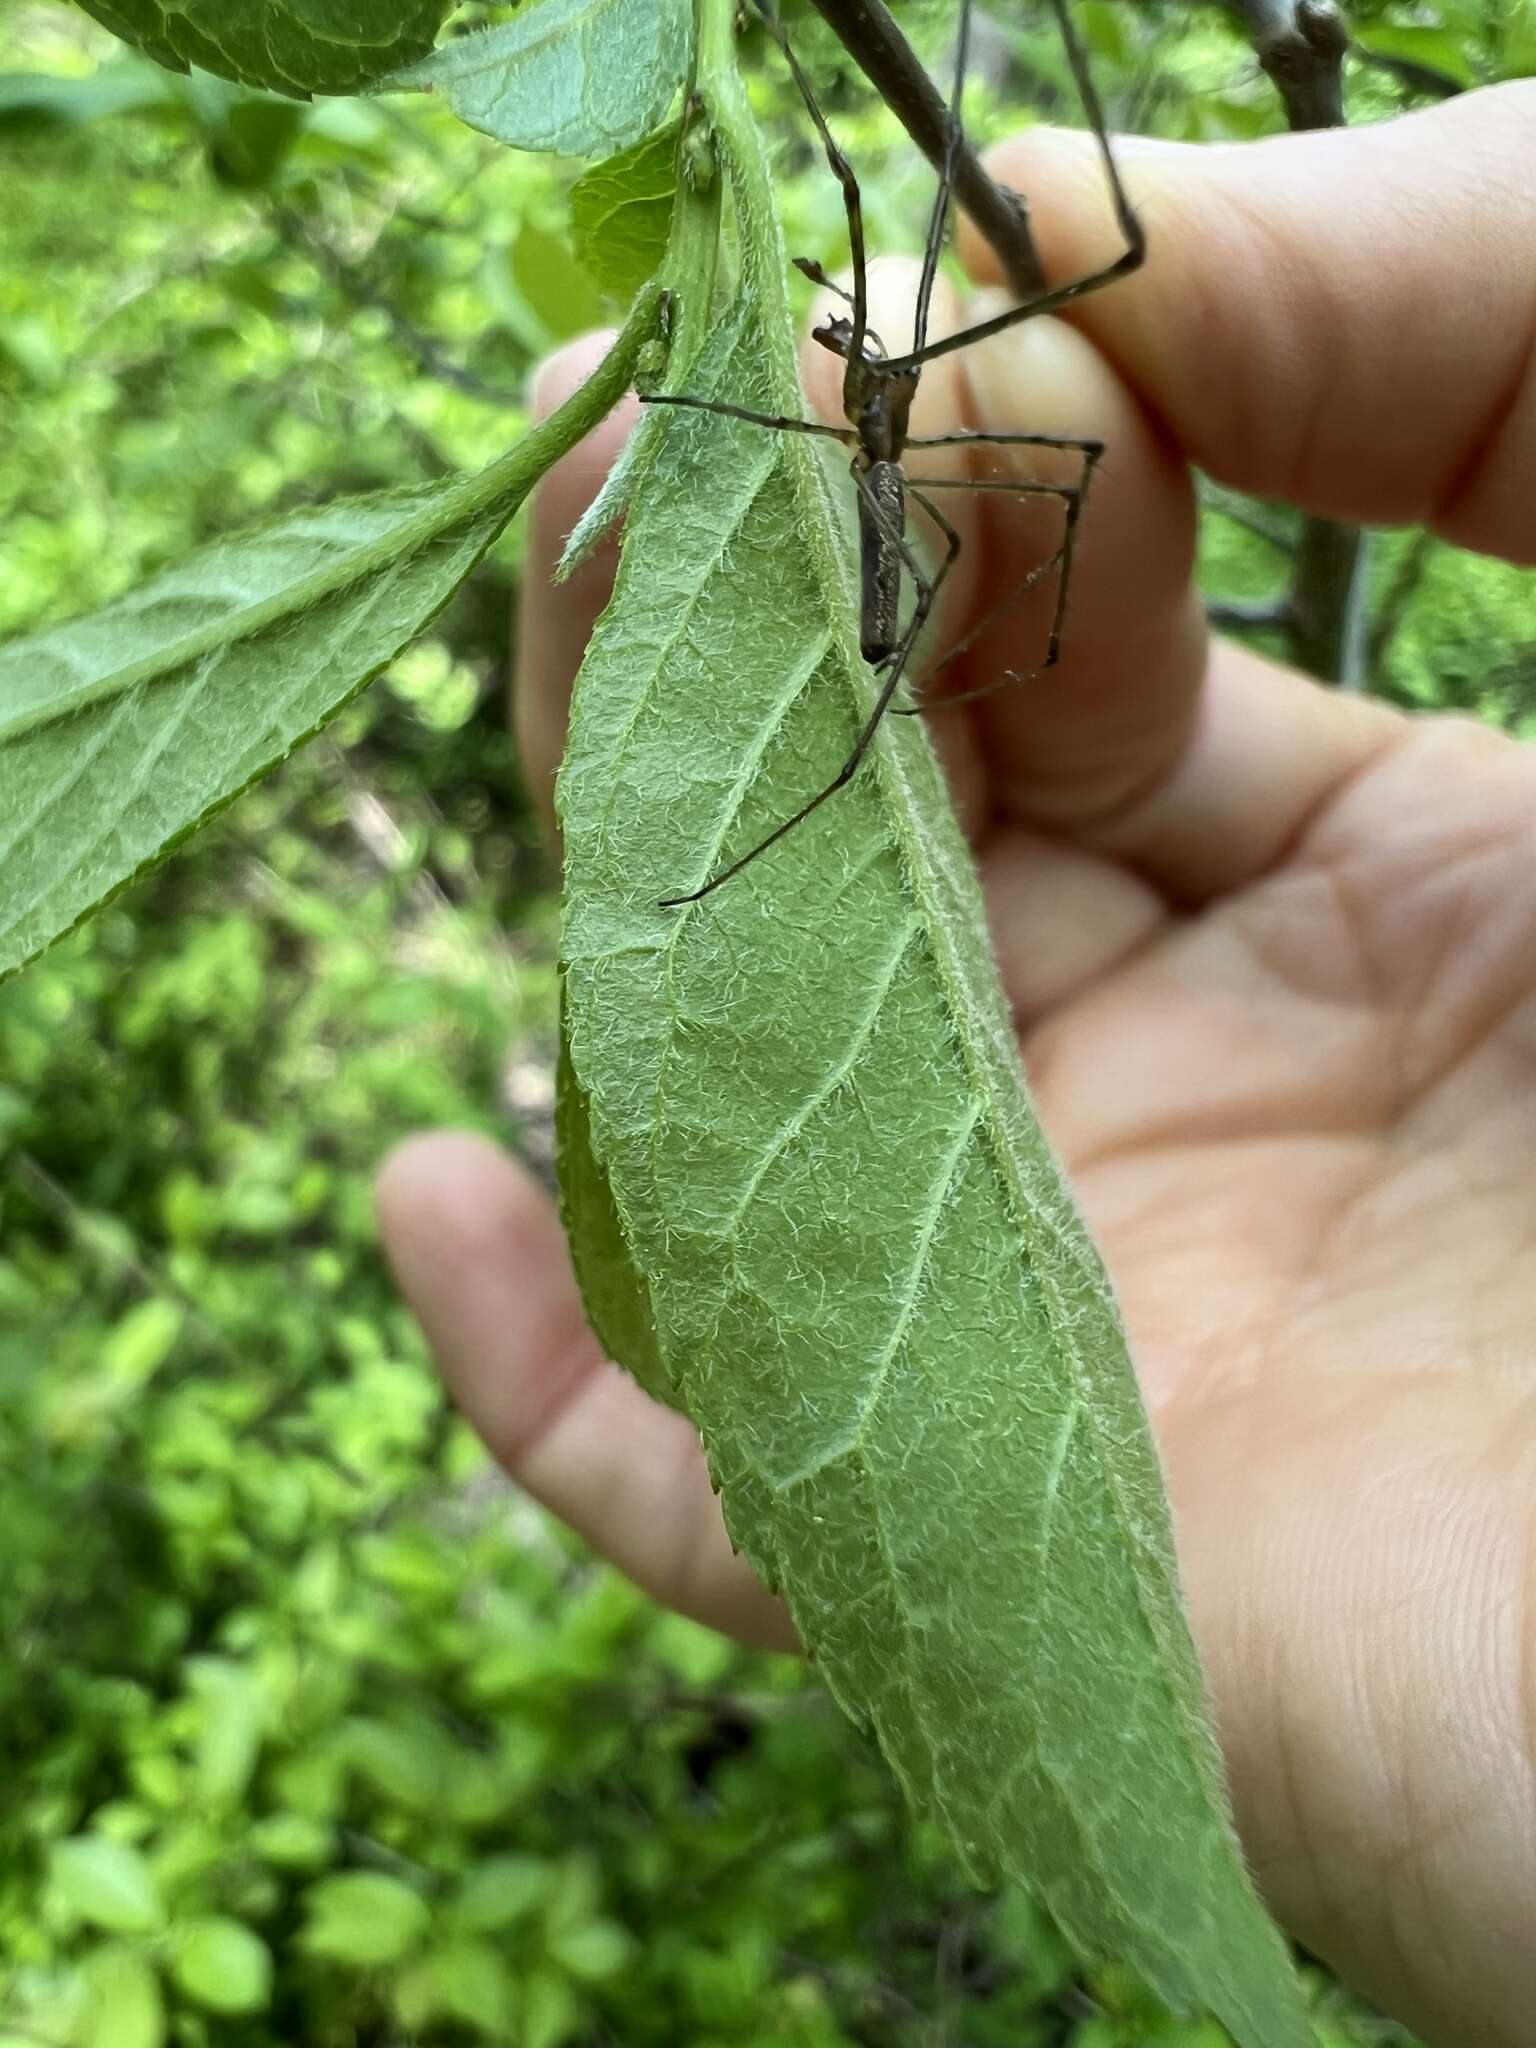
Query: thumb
[{"x": 1345, "y": 318}]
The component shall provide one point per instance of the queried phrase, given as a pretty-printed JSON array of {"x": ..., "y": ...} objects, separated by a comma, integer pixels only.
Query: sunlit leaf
[
  {"x": 621, "y": 212},
  {"x": 122, "y": 731},
  {"x": 586, "y": 77},
  {"x": 106, "y": 1883},
  {"x": 124, "y": 2005},
  {"x": 364, "y": 1917},
  {"x": 221, "y": 1965}
]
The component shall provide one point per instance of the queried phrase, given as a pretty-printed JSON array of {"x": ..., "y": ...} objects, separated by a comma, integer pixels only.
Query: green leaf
[
  {"x": 867, "y": 1279},
  {"x": 474, "y": 1985},
  {"x": 42, "y": 97},
  {"x": 232, "y": 1721},
  {"x": 122, "y": 731},
  {"x": 106, "y": 1883},
  {"x": 221, "y": 1964},
  {"x": 554, "y": 289},
  {"x": 551, "y": 2013},
  {"x": 1419, "y": 43},
  {"x": 621, "y": 212},
  {"x": 618, "y": 1306},
  {"x": 361, "y": 1916},
  {"x": 593, "y": 1951},
  {"x": 143, "y": 1340},
  {"x": 124, "y": 2006},
  {"x": 585, "y": 77},
  {"x": 292, "y": 46},
  {"x": 502, "y": 1890},
  {"x": 293, "y": 1841}
]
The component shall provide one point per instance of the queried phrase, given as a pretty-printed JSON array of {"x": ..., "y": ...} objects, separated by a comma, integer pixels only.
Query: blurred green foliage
[{"x": 315, "y": 1732}]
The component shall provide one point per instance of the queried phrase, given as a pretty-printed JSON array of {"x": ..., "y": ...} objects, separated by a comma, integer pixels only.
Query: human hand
[{"x": 1271, "y": 954}]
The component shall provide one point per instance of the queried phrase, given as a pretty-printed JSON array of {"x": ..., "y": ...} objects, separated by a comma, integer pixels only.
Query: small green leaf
[
  {"x": 1419, "y": 43},
  {"x": 364, "y": 1917},
  {"x": 143, "y": 1340},
  {"x": 220, "y": 1964},
  {"x": 585, "y": 77},
  {"x": 124, "y": 2006},
  {"x": 502, "y": 1890},
  {"x": 39, "y": 96},
  {"x": 232, "y": 1721},
  {"x": 120, "y": 732},
  {"x": 474, "y": 1985},
  {"x": 621, "y": 212},
  {"x": 291, "y": 46},
  {"x": 293, "y": 1841},
  {"x": 593, "y": 1951},
  {"x": 106, "y": 1883},
  {"x": 551, "y": 2012}
]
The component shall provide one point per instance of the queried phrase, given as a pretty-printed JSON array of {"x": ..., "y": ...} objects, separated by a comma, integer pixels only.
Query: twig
[
  {"x": 869, "y": 35},
  {"x": 1300, "y": 45}
]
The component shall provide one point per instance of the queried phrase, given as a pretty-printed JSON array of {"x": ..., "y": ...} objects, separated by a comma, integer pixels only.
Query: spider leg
[
  {"x": 842, "y": 170},
  {"x": 938, "y": 220},
  {"x": 1130, "y": 258},
  {"x": 1073, "y": 497},
  {"x": 928, "y": 589},
  {"x": 755, "y": 419}
]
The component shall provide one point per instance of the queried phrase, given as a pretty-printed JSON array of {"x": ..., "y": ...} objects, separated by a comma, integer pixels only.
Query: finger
[
  {"x": 479, "y": 1255},
  {"x": 1345, "y": 319},
  {"x": 555, "y": 620},
  {"x": 1072, "y": 746}
]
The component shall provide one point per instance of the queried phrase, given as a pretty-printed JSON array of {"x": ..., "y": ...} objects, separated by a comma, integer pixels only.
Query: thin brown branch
[
  {"x": 1300, "y": 44},
  {"x": 869, "y": 35}
]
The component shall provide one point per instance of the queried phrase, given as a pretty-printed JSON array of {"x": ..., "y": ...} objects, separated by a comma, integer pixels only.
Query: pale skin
[{"x": 1272, "y": 954}]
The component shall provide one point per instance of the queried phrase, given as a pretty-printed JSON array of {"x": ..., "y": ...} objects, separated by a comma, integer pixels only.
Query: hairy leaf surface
[
  {"x": 621, "y": 212},
  {"x": 586, "y": 77},
  {"x": 292, "y": 46},
  {"x": 821, "y": 1181},
  {"x": 120, "y": 732}
]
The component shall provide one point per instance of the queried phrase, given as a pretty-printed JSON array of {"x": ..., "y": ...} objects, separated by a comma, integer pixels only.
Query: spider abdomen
[{"x": 882, "y": 523}]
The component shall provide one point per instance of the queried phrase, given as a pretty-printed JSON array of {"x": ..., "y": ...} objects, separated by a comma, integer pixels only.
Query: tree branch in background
[
  {"x": 1300, "y": 45},
  {"x": 869, "y": 35}
]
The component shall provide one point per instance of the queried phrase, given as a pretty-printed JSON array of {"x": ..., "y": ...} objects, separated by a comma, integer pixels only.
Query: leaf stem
[{"x": 504, "y": 481}]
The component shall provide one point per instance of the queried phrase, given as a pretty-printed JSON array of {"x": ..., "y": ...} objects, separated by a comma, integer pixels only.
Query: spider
[{"x": 878, "y": 390}]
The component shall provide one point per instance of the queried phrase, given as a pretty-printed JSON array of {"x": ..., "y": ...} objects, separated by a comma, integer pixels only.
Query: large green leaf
[
  {"x": 121, "y": 732},
  {"x": 822, "y": 1184},
  {"x": 621, "y": 212},
  {"x": 586, "y": 77},
  {"x": 293, "y": 46}
]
